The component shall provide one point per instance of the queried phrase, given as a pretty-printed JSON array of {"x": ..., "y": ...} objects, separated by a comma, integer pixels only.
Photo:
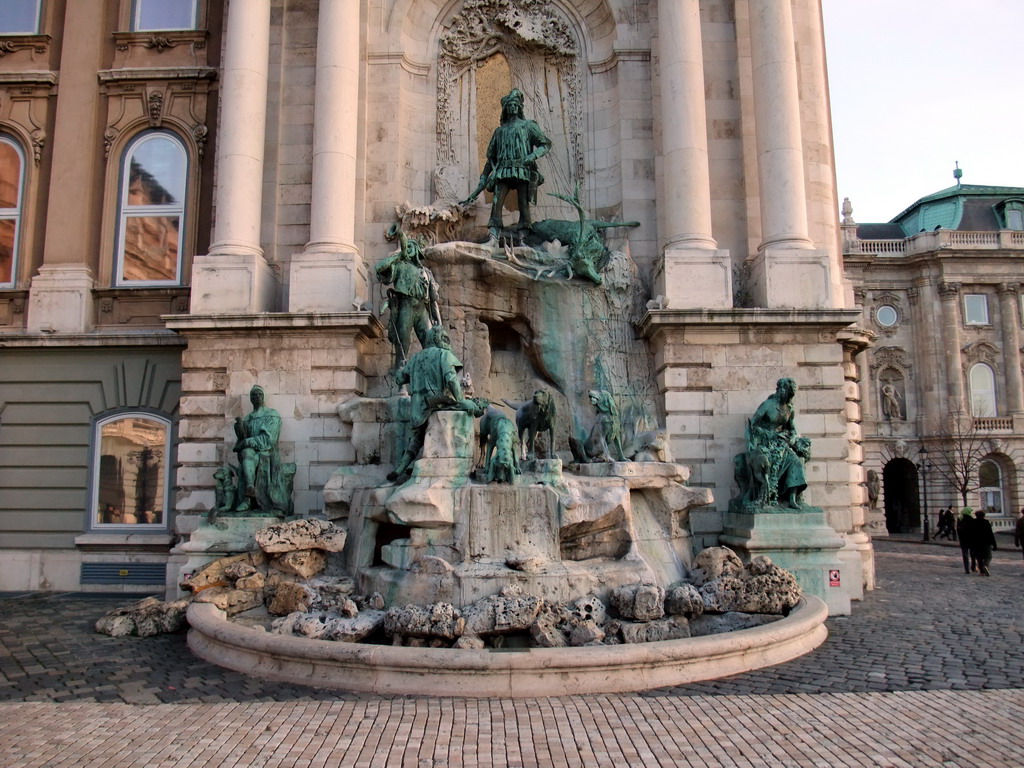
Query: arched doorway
[{"x": 902, "y": 507}]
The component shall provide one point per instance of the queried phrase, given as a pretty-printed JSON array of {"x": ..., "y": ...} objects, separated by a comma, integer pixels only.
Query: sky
[{"x": 917, "y": 85}]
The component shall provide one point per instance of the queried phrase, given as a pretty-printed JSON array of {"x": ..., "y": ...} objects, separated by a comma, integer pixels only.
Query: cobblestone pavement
[{"x": 928, "y": 670}]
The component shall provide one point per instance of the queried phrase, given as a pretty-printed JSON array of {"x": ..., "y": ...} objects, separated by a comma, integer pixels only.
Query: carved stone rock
[
  {"x": 231, "y": 601},
  {"x": 511, "y": 611},
  {"x": 718, "y": 623},
  {"x": 216, "y": 573},
  {"x": 302, "y": 534},
  {"x": 683, "y": 600},
  {"x": 671, "y": 628},
  {"x": 715, "y": 562}
]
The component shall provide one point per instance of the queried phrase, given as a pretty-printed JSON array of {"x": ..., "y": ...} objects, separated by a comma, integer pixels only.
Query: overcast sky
[{"x": 917, "y": 85}]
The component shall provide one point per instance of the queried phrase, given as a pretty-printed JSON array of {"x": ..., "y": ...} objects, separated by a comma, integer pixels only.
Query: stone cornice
[
  {"x": 32, "y": 339},
  {"x": 142, "y": 74},
  {"x": 162, "y": 41},
  {"x": 359, "y": 322},
  {"x": 657, "y": 320},
  {"x": 32, "y": 77}
]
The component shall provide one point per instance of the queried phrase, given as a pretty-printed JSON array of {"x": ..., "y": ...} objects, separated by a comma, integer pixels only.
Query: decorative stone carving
[
  {"x": 156, "y": 105},
  {"x": 948, "y": 291},
  {"x": 538, "y": 44},
  {"x": 891, "y": 357},
  {"x": 980, "y": 352},
  {"x": 892, "y": 394}
]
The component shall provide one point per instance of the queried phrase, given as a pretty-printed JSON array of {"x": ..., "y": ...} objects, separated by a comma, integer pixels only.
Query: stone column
[
  {"x": 60, "y": 296},
  {"x": 1009, "y": 313},
  {"x": 948, "y": 295},
  {"x": 235, "y": 277},
  {"x": 694, "y": 273},
  {"x": 329, "y": 274},
  {"x": 787, "y": 271}
]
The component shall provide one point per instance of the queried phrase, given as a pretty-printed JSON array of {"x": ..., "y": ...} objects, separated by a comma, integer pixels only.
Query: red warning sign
[{"x": 833, "y": 577}]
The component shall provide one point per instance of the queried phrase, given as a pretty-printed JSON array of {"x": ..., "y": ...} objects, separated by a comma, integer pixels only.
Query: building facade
[
  {"x": 196, "y": 192},
  {"x": 941, "y": 286}
]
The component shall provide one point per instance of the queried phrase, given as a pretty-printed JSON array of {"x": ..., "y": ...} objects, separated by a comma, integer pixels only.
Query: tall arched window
[
  {"x": 12, "y": 183},
  {"x": 983, "y": 390},
  {"x": 131, "y": 464},
  {"x": 990, "y": 487},
  {"x": 151, "y": 210}
]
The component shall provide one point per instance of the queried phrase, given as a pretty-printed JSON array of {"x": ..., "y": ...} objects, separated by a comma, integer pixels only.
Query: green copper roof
[{"x": 945, "y": 209}]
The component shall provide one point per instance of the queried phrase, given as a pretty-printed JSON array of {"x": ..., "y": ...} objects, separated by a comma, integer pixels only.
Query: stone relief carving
[
  {"x": 156, "y": 106},
  {"x": 980, "y": 352},
  {"x": 891, "y": 357},
  {"x": 949, "y": 290}
]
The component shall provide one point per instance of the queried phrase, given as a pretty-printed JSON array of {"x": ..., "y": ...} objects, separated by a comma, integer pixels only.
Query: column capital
[{"x": 948, "y": 291}]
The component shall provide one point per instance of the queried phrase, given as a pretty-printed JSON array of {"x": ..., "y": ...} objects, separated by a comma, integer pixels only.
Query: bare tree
[{"x": 957, "y": 451}]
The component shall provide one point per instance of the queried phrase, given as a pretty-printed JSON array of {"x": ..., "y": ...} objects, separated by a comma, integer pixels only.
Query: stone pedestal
[
  {"x": 60, "y": 299},
  {"x": 326, "y": 281},
  {"x": 232, "y": 283},
  {"x": 209, "y": 542},
  {"x": 802, "y": 543},
  {"x": 795, "y": 278},
  {"x": 694, "y": 278}
]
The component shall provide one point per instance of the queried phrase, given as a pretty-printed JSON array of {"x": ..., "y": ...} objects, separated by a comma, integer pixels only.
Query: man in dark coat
[{"x": 984, "y": 542}]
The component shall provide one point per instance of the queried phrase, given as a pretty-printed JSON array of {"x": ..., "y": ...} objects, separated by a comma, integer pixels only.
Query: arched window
[
  {"x": 151, "y": 210},
  {"x": 990, "y": 487},
  {"x": 12, "y": 183},
  {"x": 983, "y": 391},
  {"x": 130, "y": 471}
]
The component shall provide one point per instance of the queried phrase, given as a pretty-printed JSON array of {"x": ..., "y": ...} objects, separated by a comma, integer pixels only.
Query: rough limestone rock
[
  {"x": 215, "y": 574},
  {"x": 332, "y": 595},
  {"x": 715, "y": 562},
  {"x": 231, "y": 601},
  {"x": 683, "y": 600},
  {"x": 291, "y": 597},
  {"x": 470, "y": 643},
  {"x": 437, "y": 620},
  {"x": 642, "y": 602},
  {"x": 304, "y": 563},
  {"x": 718, "y": 623},
  {"x": 301, "y": 534},
  {"x": 545, "y": 632},
  {"x": 286, "y": 624},
  {"x": 763, "y": 587},
  {"x": 255, "y": 581},
  {"x": 311, "y": 625},
  {"x": 353, "y": 629},
  {"x": 586, "y": 633},
  {"x": 510, "y": 611},
  {"x": 671, "y": 628},
  {"x": 145, "y": 618},
  {"x": 590, "y": 608},
  {"x": 239, "y": 570}
]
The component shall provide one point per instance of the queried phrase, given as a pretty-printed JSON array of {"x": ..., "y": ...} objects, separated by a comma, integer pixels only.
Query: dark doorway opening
[{"x": 902, "y": 507}]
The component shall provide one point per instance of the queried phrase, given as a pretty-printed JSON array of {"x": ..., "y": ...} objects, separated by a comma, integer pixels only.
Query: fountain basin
[{"x": 528, "y": 672}]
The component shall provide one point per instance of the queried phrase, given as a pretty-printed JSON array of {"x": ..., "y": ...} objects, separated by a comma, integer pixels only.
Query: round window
[{"x": 887, "y": 316}]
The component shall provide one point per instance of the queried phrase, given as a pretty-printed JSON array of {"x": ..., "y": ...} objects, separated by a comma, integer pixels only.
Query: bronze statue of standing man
[{"x": 516, "y": 145}]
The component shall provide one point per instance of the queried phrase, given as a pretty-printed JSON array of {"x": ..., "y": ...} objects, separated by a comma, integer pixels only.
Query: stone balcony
[{"x": 943, "y": 239}]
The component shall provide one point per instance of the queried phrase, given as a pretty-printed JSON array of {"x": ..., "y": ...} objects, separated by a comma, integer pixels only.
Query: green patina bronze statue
[
  {"x": 771, "y": 472},
  {"x": 412, "y": 298},
  {"x": 511, "y": 165},
  {"x": 432, "y": 375},
  {"x": 264, "y": 482}
]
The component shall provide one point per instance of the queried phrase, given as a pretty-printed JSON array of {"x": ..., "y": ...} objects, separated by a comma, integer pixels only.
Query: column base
[
  {"x": 796, "y": 278},
  {"x": 232, "y": 283},
  {"x": 694, "y": 278},
  {"x": 60, "y": 299},
  {"x": 327, "y": 281}
]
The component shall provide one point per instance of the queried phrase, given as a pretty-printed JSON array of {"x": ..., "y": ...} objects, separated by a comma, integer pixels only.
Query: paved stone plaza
[{"x": 929, "y": 670}]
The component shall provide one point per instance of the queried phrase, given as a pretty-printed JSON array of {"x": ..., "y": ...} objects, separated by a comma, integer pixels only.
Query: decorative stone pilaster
[
  {"x": 1009, "y": 316},
  {"x": 329, "y": 275},
  {"x": 948, "y": 293},
  {"x": 694, "y": 272},
  {"x": 235, "y": 276}
]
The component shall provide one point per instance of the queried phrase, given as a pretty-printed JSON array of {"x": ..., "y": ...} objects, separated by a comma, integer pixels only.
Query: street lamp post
[{"x": 924, "y": 466}]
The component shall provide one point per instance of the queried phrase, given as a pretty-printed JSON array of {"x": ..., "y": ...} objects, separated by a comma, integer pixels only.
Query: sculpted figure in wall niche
[
  {"x": 891, "y": 402},
  {"x": 776, "y": 453},
  {"x": 433, "y": 378},
  {"x": 412, "y": 299},
  {"x": 511, "y": 165},
  {"x": 874, "y": 487},
  {"x": 264, "y": 481}
]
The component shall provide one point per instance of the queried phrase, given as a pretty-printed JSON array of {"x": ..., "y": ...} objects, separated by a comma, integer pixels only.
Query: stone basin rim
[{"x": 532, "y": 672}]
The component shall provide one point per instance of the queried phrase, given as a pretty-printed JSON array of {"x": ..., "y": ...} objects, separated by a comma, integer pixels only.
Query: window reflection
[
  {"x": 152, "y": 211},
  {"x": 19, "y": 17},
  {"x": 165, "y": 14},
  {"x": 131, "y": 483},
  {"x": 11, "y": 170}
]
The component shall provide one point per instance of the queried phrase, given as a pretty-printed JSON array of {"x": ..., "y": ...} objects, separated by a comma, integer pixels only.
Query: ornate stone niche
[
  {"x": 490, "y": 47},
  {"x": 892, "y": 394}
]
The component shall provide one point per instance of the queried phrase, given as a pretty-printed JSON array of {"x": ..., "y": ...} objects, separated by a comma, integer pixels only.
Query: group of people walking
[{"x": 977, "y": 540}]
